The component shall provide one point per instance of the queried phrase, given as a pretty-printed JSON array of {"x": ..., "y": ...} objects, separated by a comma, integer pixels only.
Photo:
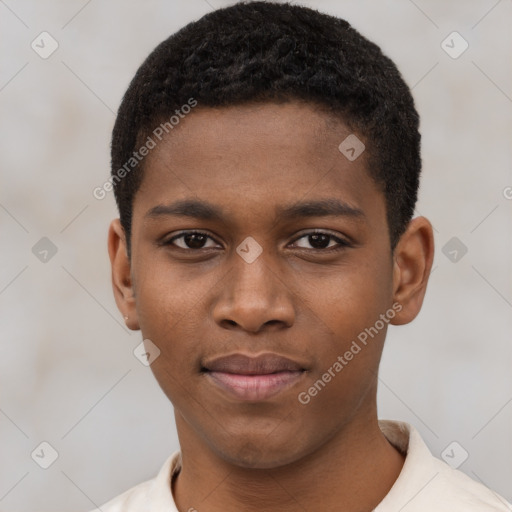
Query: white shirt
[{"x": 424, "y": 484}]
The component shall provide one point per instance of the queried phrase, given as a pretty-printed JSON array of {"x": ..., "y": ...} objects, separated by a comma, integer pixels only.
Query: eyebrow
[{"x": 206, "y": 211}]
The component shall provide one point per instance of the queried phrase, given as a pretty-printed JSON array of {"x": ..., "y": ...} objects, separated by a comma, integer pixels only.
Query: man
[{"x": 266, "y": 163}]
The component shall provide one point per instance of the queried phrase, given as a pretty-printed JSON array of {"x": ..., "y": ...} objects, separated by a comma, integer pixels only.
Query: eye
[
  {"x": 321, "y": 240},
  {"x": 191, "y": 240},
  {"x": 317, "y": 240}
]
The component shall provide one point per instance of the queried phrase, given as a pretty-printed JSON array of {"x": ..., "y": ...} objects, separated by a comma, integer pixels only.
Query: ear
[
  {"x": 122, "y": 282},
  {"x": 412, "y": 264}
]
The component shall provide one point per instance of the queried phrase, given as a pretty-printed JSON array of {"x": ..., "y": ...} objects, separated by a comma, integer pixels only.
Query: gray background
[{"x": 68, "y": 375}]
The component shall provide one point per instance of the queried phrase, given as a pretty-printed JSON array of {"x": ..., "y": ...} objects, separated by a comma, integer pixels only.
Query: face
[{"x": 254, "y": 237}]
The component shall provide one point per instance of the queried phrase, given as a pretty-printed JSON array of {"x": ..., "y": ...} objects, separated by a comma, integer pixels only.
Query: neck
[{"x": 357, "y": 467}]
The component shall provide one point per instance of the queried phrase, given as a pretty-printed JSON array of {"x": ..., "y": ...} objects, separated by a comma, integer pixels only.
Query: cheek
[
  {"x": 164, "y": 299},
  {"x": 165, "y": 315},
  {"x": 350, "y": 299},
  {"x": 348, "y": 307},
  {"x": 341, "y": 382}
]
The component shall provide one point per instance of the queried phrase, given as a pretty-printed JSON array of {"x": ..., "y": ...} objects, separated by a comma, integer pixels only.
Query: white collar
[{"x": 425, "y": 483}]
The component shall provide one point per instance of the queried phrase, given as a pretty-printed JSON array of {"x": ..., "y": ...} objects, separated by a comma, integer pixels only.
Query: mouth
[{"x": 253, "y": 378}]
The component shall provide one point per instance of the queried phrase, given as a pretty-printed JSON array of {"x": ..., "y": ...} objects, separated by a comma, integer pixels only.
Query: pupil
[
  {"x": 319, "y": 240},
  {"x": 194, "y": 240}
]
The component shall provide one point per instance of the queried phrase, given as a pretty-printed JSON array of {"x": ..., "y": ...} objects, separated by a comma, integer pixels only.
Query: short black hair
[{"x": 273, "y": 52}]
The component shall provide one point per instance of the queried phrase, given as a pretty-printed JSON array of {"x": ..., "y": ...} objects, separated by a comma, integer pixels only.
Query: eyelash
[{"x": 342, "y": 244}]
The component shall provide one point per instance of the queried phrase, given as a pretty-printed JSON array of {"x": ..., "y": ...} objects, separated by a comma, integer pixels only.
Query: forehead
[
  {"x": 266, "y": 129},
  {"x": 255, "y": 158}
]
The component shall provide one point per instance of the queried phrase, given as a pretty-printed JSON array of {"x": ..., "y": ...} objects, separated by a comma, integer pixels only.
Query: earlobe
[
  {"x": 412, "y": 264},
  {"x": 122, "y": 283}
]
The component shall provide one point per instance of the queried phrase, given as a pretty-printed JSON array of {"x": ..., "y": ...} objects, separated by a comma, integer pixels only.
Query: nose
[{"x": 254, "y": 298}]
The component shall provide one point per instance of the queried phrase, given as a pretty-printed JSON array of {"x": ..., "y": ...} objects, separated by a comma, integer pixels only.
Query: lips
[
  {"x": 246, "y": 365},
  {"x": 253, "y": 378}
]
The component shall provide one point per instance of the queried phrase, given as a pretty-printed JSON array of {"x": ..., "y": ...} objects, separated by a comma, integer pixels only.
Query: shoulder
[
  {"x": 149, "y": 496},
  {"x": 455, "y": 490},
  {"x": 134, "y": 499},
  {"x": 427, "y": 483}
]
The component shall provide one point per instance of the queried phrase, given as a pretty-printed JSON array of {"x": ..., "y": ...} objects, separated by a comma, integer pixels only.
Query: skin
[{"x": 303, "y": 301}]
